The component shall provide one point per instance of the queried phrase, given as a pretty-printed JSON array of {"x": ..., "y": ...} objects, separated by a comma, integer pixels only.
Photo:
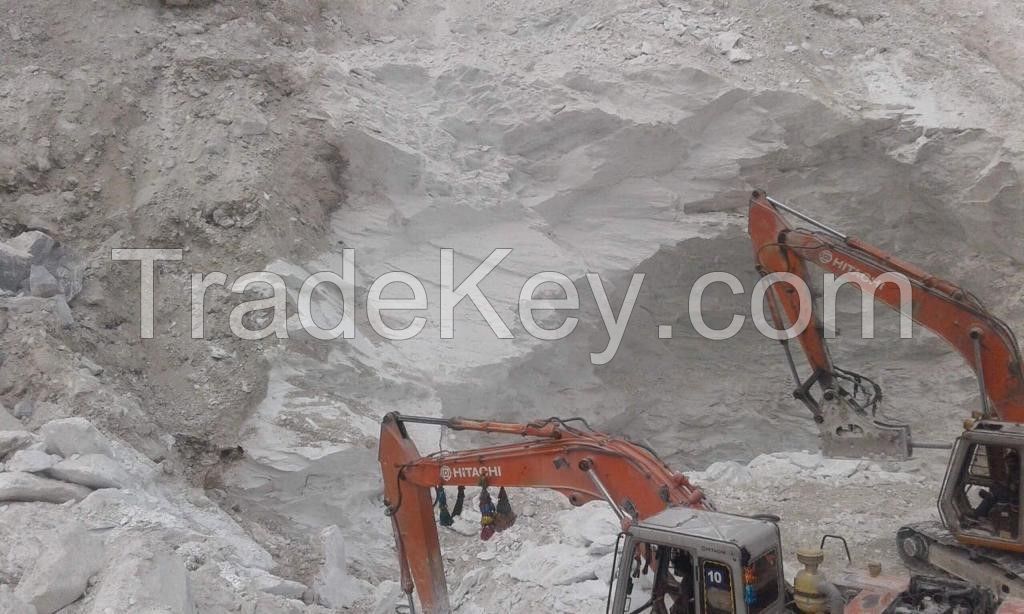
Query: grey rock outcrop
[
  {"x": 35, "y": 243},
  {"x": 42, "y": 283},
  {"x": 14, "y": 267}
]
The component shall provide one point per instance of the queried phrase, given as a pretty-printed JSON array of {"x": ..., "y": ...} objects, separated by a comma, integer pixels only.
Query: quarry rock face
[{"x": 613, "y": 140}]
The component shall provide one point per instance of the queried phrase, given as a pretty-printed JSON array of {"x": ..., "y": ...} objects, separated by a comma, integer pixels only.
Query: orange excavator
[
  {"x": 648, "y": 497},
  {"x": 980, "y": 538},
  {"x": 701, "y": 561}
]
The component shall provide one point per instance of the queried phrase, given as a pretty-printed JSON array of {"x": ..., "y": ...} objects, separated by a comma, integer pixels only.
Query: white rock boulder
[
  {"x": 144, "y": 578},
  {"x": 837, "y": 468},
  {"x": 61, "y": 574},
  {"x": 12, "y": 604},
  {"x": 74, "y": 436},
  {"x": 334, "y": 586},
  {"x": 582, "y": 526},
  {"x": 21, "y": 486},
  {"x": 273, "y": 585},
  {"x": 804, "y": 460},
  {"x": 92, "y": 470},
  {"x": 551, "y": 565},
  {"x": 388, "y": 593},
  {"x": 31, "y": 461},
  {"x": 774, "y": 468},
  {"x": 728, "y": 473},
  {"x": 11, "y": 441},
  {"x": 739, "y": 56},
  {"x": 603, "y": 544},
  {"x": 725, "y": 41}
]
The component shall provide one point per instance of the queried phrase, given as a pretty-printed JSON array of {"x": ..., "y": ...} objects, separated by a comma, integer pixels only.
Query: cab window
[
  {"x": 717, "y": 588},
  {"x": 761, "y": 582},
  {"x": 988, "y": 495}
]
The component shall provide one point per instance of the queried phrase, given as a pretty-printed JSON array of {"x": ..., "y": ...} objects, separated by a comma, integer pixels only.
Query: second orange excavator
[{"x": 981, "y": 537}]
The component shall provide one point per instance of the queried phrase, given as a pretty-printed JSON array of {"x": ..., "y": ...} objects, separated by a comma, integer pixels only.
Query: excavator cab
[
  {"x": 691, "y": 561},
  {"x": 980, "y": 505},
  {"x": 980, "y": 499}
]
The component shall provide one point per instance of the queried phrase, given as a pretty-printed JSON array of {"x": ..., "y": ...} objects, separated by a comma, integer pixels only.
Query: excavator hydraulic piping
[
  {"x": 975, "y": 335},
  {"x": 542, "y": 428},
  {"x": 423, "y": 420},
  {"x": 804, "y": 217},
  {"x": 403, "y": 565},
  {"x": 840, "y": 539},
  {"x": 587, "y": 466}
]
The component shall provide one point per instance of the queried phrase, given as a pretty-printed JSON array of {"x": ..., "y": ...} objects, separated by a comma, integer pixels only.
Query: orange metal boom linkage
[
  {"x": 984, "y": 341},
  {"x": 583, "y": 465}
]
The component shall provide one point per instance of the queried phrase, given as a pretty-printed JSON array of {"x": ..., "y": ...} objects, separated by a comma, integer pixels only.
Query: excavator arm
[
  {"x": 581, "y": 464},
  {"x": 850, "y": 425}
]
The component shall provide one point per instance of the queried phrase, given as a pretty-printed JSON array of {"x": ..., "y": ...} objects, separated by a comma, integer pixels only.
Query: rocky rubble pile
[
  {"x": 35, "y": 266},
  {"x": 87, "y": 524},
  {"x": 64, "y": 462}
]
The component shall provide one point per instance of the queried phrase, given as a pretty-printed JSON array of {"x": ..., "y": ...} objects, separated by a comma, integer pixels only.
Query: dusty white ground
[{"x": 609, "y": 137}]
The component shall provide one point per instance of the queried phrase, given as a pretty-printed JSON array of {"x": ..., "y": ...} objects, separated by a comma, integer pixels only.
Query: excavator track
[{"x": 928, "y": 548}]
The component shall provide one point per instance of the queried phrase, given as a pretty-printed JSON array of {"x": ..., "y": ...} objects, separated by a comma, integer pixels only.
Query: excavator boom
[{"x": 984, "y": 341}]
